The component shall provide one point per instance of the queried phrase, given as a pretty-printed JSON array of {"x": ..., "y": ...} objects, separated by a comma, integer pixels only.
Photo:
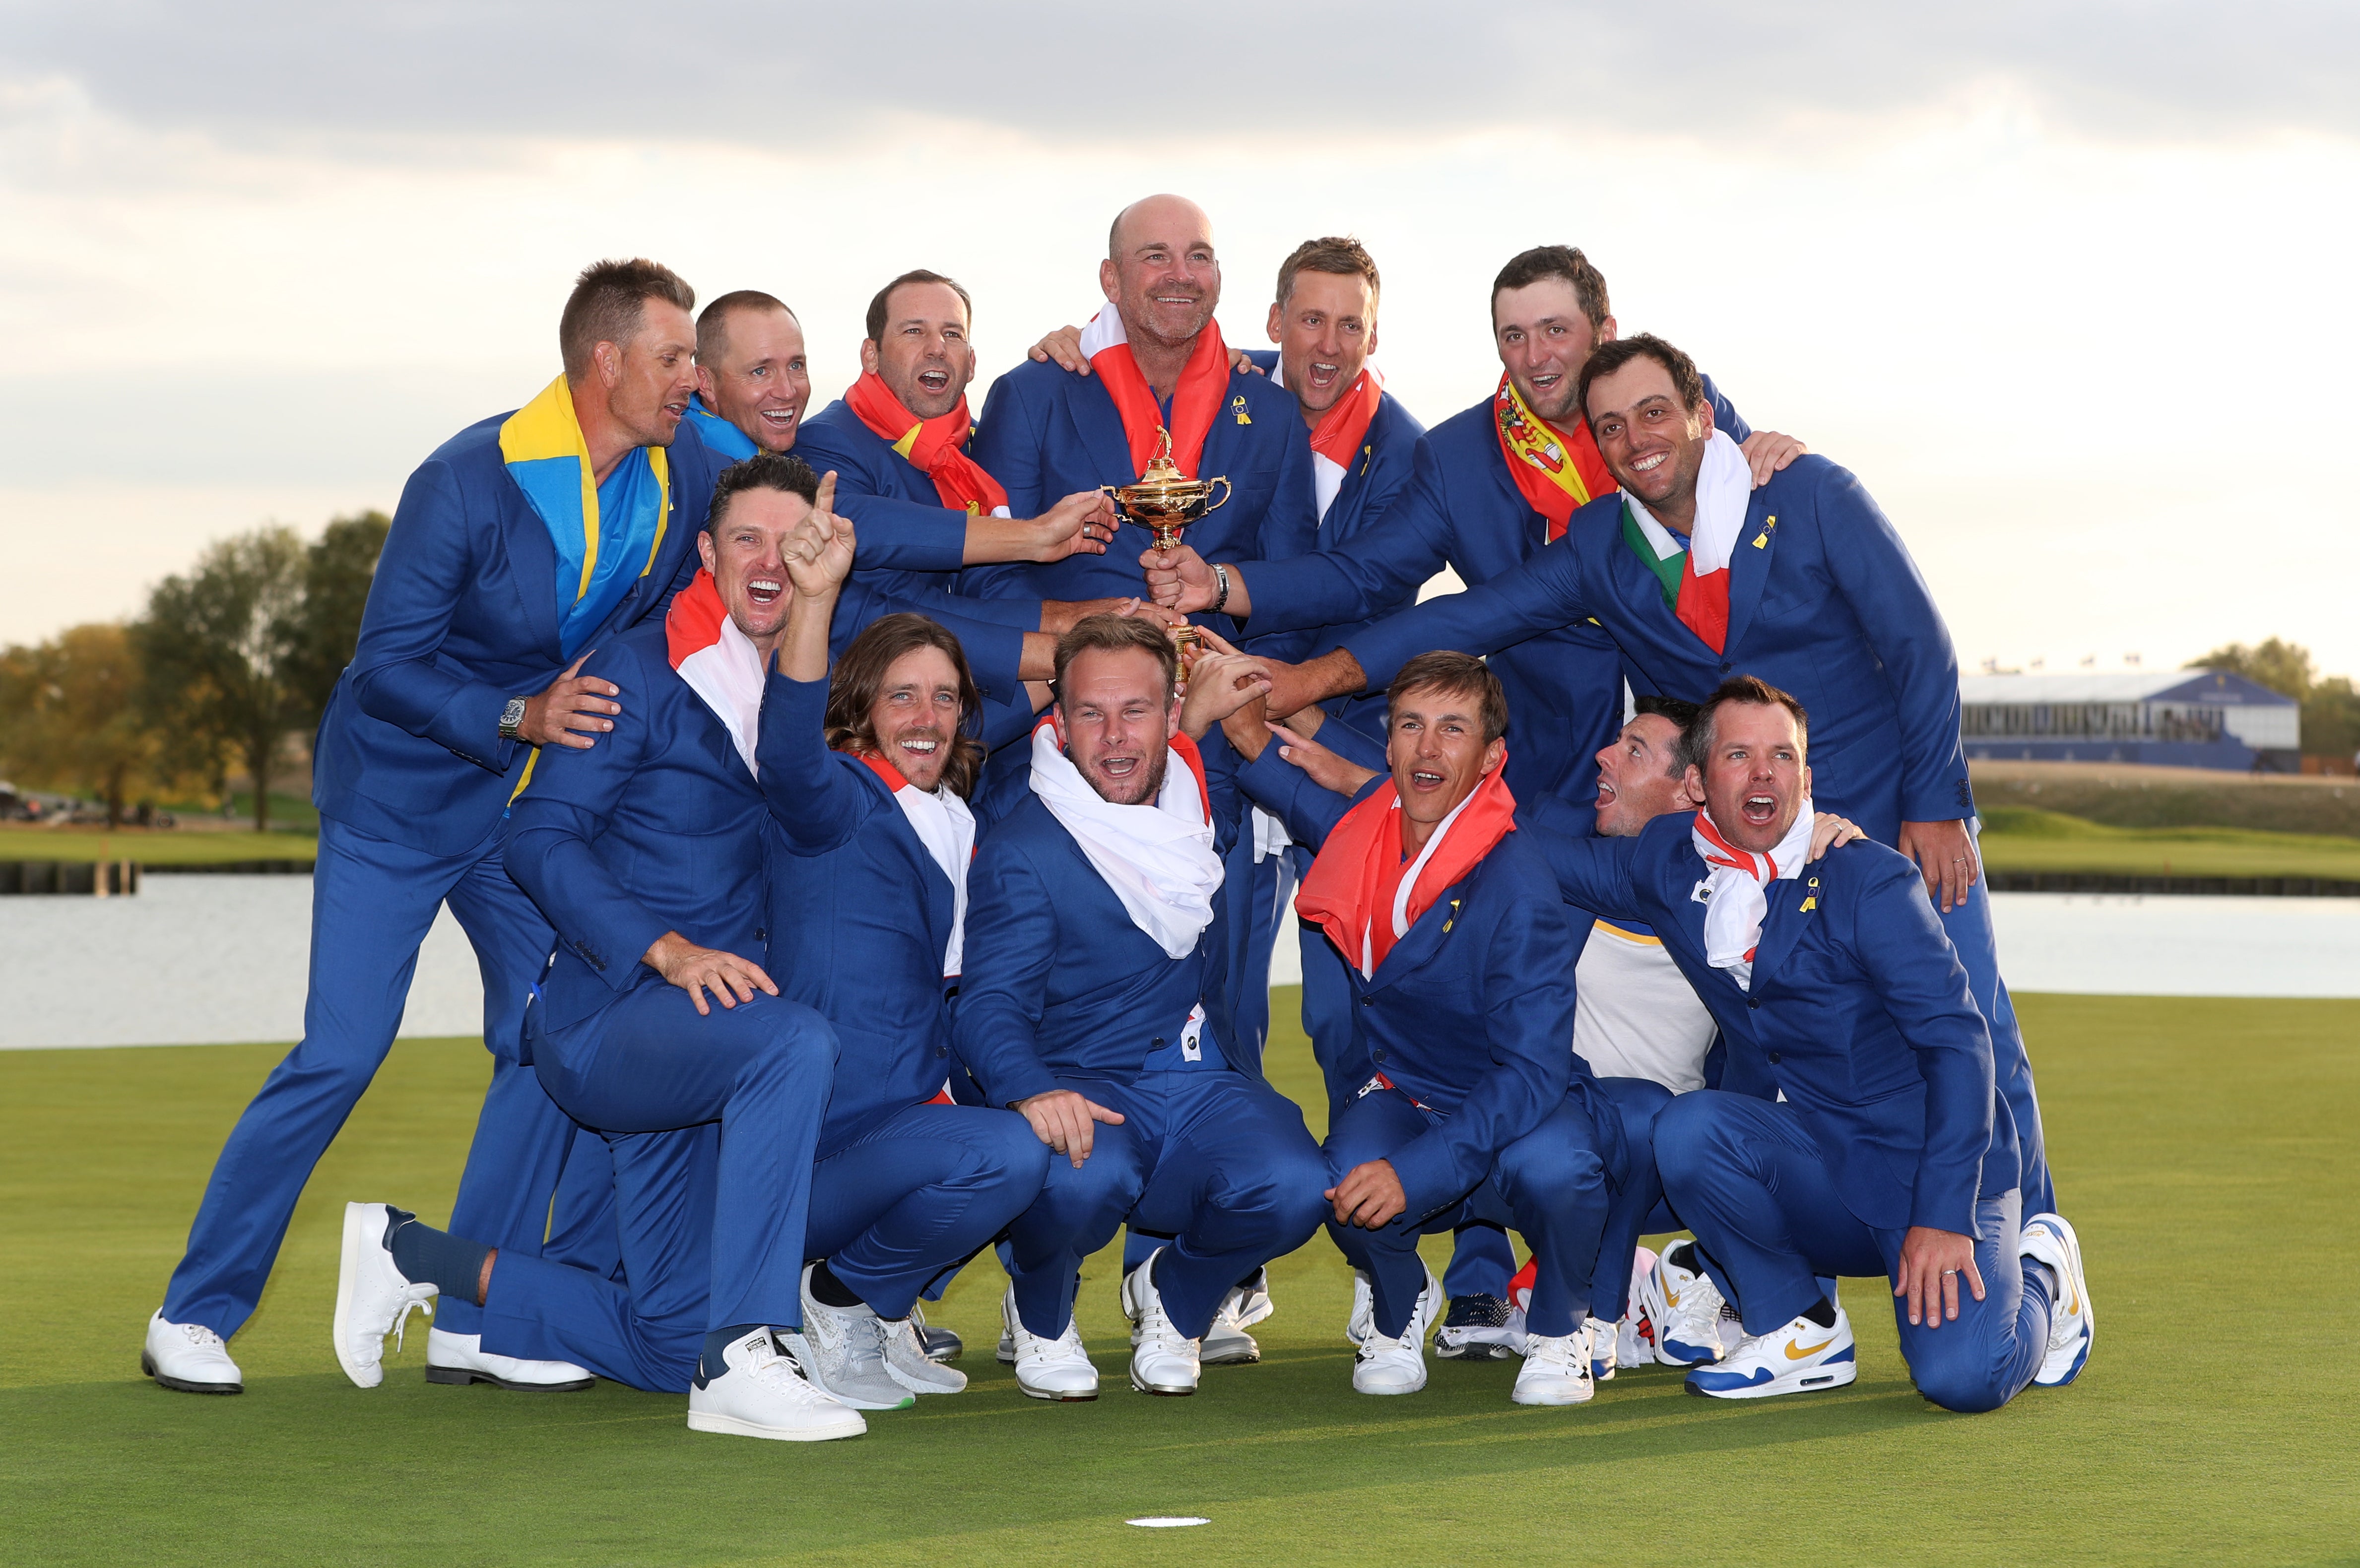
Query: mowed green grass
[
  {"x": 2205, "y": 1149},
  {"x": 155, "y": 846},
  {"x": 2021, "y": 838}
]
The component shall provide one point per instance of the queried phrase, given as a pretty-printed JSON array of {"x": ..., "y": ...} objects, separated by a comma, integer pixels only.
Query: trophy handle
[
  {"x": 1212, "y": 506},
  {"x": 1109, "y": 491}
]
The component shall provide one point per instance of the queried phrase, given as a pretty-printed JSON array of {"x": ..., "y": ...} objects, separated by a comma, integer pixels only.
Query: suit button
[
  {"x": 761, "y": 935},
  {"x": 1368, "y": 1001},
  {"x": 1379, "y": 1056},
  {"x": 941, "y": 1051},
  {"x": 1774, "y": 1058},
  {"x": 1159, "y": 1042},
  {"x": 1753, "y": 1001},
  {"x": 1724, "y": 666}
]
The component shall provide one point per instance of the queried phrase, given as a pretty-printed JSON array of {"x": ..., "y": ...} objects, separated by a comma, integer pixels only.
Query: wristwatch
[
  {"x": 1222, "y": 573},
  {"x": 510, "y": 717}
]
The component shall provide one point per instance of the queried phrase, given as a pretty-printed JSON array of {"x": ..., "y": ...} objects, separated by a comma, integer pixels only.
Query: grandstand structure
[{"x": 2177, "y": 718}]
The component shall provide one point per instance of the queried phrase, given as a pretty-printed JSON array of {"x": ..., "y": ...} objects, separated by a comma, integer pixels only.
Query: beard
[{"x": 1139, "y": 789}]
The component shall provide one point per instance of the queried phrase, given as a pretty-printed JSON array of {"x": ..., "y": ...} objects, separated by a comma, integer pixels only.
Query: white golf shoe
[
  {"x": 372, "y": 1297},
  {"x": 188, "y": 1357},
  {"x": 842, "y": 1351},
  {"x": 1799, "y": 1358},
  {"x": 1556, "y": 1370},
  {"x": 1388, "y": 1366},
  {"x": 1165, "y": 1361},
  {"x": 942, "y": 1344},
  {"x": 758, "y": 1392},
  {"x": 461, "y": 1358},
  {"x": 1362, "y": 1320},
  {"x": 1688, "y": 1332},
  {"x": 1227, "y": 1342},
  {"x": 1604, "y": 1347},
  {"x": 1056, "y": 1368},
  {"x": 2073, "y": 1325},
  {"x": 907, "y": 1363}
]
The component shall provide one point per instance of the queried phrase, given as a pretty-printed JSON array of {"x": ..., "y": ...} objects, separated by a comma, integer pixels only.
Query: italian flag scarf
[
  {"x": 1335, "y": 441},
  {"x": 718, "y": 661},
  {"x": 1365, "y": 895},
  {"x": 1557, "y": 469},
  {"x": 1195, "y": 402},
  {"x": 542, "y": 447},
  {"x": 935, "y": 447},
  {"x": 1695, "y": 576}
]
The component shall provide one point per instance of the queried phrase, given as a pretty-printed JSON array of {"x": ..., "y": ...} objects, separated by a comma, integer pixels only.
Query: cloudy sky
[{"x": 2069, "y": 285}]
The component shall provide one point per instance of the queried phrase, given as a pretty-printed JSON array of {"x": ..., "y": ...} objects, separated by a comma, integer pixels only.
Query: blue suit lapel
[
  {"x": 941, "y": 898},
  {"x": 1792, "y": 909},
  {"x": 1423, "y": 942},
  {"x": 1100, "y": 427},
  {"x": 532, "y": 560},
  {"x": 1749, "y": 566}
]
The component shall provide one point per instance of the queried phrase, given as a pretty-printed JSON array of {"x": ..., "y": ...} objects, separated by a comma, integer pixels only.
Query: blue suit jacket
[
  {"x": 1059, "y": 982},
  {"x": 1461, "y": 510},
  {"x": 1859, "y": 1012},
  {"x": 1824, "y": 601},
  {"x": 1471, "y": 1012},
  {"x": 462, "y": 615},
  {"x": 1048, "y": 432},
  {"x": 656, "y": 828}
]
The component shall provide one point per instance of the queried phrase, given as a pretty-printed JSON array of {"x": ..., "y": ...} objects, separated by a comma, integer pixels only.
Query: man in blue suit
[
  {"x": 1085, "y": 1005},
  {"x": 1696, "y": 572},
  {"x": 1888, "y": 1149},
  {"x": 522, "y": 544}
]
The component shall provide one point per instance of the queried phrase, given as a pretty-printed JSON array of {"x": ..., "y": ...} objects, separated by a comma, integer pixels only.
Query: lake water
[{"x": 203, "y": 960}]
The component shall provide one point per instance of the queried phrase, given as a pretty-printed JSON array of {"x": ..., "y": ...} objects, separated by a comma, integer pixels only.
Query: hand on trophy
[
  {"x": 1082, "y": 524},
  {"x": 1178, "y": 579}
]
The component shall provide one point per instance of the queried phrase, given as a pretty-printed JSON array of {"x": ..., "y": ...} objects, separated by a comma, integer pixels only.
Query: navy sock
[
  {"x": 1821, "y": 1314},
  {"x": 452, "y": 1263},
  {"x": 830, "y": 1291},
  {"x": 712, "y": 1361}
]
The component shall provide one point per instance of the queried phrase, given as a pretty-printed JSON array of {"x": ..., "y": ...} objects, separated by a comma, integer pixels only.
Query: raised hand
[
  {"x": 820, "y": 550},
  {"x": 1219, "y": 684},
  {"x": 1326, "y": 768},
  {"x": 1084, "y": 523},
  {"x": 571, "y": 703},
  {"x": 1178, "y": 579}
]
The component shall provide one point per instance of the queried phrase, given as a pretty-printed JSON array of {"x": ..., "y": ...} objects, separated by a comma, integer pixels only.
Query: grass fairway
[
  {"x": 154, "y": 846},
  {"x": 2021, "y": 838},
  {"x": 2205, "y": 1149}
]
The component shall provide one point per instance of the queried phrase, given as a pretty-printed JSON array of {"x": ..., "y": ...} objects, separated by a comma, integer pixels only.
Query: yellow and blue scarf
[{"x": 598, "y": 529}]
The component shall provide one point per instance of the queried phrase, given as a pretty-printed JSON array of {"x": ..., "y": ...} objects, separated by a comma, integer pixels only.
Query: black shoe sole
[
  {"x": 459, "y": 1376},
  {"x": 1479, "y": 1350},
  {"x": 181, "y": 1385}
]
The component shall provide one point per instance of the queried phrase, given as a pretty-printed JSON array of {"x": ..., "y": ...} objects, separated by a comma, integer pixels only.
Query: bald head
[{"x": 1161, "y": 272}]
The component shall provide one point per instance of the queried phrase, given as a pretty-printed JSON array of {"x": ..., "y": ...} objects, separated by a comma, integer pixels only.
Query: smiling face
[
  {"x": 1326, "y": 329},
  {"x": 1161, "y": 272},
  {"x": 1118, "y": 714},
  {"x": 1544, "y": 341},
  {"x": 743, "y": 550},
  {"x": 925, "y": 358},
  {"x": 1436, "y": 747},
  {"x": 1652, "y": 444},
  {"x": 1640, "y": 777},
  {"x": 647, "y": 381},
  {"x": 1754, "y": 780},
  {"x": 916, "y": 715},
  {"x": 763, "y": 380}
]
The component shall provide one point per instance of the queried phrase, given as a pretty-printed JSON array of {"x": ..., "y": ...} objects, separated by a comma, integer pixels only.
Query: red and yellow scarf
[
  {"x": 936, "y": 447},
  {"x": 1355, "y": 891},
  {"x": 1557, "y": 469},
  {"x": 1195, "y": 402}
]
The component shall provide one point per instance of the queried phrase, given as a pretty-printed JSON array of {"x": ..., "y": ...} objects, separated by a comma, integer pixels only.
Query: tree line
[
  {"x": 226, "y": 662},
  {"x": 2330, "y": 704}
]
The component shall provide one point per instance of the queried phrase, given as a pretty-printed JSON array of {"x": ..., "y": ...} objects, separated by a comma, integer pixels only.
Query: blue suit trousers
[
  {"x": 1550, "y": 1184},
  {"x": 1969, "y": 927},
  {"x": 372, "y": 902},
  {"x": 1753, "y": 1184},
  {"x": 1220, "y": 1161}
]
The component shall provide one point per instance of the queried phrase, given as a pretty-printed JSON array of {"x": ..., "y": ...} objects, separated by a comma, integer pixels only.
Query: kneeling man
[{"x": 1089, "y": 965}]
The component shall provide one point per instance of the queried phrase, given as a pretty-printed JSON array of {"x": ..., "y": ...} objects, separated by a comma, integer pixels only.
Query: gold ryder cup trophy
[{"x": 1164, "y": 499}]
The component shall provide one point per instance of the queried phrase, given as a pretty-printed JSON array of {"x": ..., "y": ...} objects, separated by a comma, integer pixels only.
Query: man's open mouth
[
  {"x": 764, "y": 590},
  {"x": 1420, "y": 778},
  {"x": 1760, "y": 810},
  {"x": 933, "y": 380}
]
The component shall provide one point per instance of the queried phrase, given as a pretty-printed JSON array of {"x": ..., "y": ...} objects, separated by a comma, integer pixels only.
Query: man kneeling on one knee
[{"x": 1462, "y": 955}]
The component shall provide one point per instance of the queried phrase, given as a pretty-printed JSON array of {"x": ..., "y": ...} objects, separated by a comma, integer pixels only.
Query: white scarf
[
  {"x": 1724, "y": 487},
  {"x": 1157, "y": 858},
  {"x": 1735, "y": 891},
  {"x": 945, "y": 826},
  {"x": 728, "y": 674}
]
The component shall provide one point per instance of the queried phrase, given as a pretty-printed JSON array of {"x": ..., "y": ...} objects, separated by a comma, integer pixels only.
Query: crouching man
[{"x": 1088, "y": 971}]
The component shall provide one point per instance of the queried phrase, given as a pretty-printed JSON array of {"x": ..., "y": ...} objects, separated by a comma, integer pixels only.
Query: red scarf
[
  {"x": 1557, "y": 469},
  {"x": 1195, "y": 402},
  {"x": 1353, "y": 889},
  {"x": 1346, "y": 423},
  {"x": 936, "y": 447}
]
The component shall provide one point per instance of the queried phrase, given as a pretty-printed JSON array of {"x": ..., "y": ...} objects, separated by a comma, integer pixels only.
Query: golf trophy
[{"x": 1163, "y": 499}]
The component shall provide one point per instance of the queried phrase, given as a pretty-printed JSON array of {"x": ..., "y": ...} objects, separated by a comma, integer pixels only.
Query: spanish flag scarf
[
  {"x": 1366, "y": 894},
  {"x": 1335, "y": 440},
  {"x": 596, "y": 527},
  {"x": 935, "y": 447},
  {"x": 1557, "y": 469},
  {"x": 1195, "y": 402}
]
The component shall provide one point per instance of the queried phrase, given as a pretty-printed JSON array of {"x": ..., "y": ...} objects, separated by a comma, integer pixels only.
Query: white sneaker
[
  {"x": 760, "y": 1393},
  {"x": 1056, "y": 1368},
  {"x": 1362, "y": 1325},
  {"x": 1603, "y": 1346},
  {"x": 907, "y": 1363},
  {"x": 1227, "y": 1342},
  {"x": 1165, "y": 1361},
  {"x": 1800, "y": 1357},
  {"x": 1556, "y": 1370},
  {"x": 1253, "y": 1300},
  {"x": 189, "y": 1357},
  {"x": 461, "y": 1358},
  {"x": 1362, "y": 1321},
  {"x": 1688, "y": 1332},
  {"x": 373, "y": 1298},
  {"x": 1384, "y": 1366},
  {"x": 2073, "y": 1323},
  {"x": 842, "y": 1351}
]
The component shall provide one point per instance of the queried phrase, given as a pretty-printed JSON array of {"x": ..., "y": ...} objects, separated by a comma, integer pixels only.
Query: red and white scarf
[
  {"x": 1366, "y": 895},
  {"x": 1195, "y": 402},
  {"x": 1157, "y": 857},
  {"x": 1724, "y": 488},
  {"x": 1737, "y": 895},
  {"x": 1335, "y": 441},
  {"x": 935, "y": 447},
  {"x": 1557, "y": 468},
  {"x": 947, "y": 828},
  {"x": 719, "y": 662}
]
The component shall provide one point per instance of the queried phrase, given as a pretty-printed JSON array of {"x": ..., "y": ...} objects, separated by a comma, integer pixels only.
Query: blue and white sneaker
[
  {"x": 1800, "y": 1358},
  {"x": 1688, "y": 1311},
  {"x": 1603, "y": 1348},
  {"x": 2049, "y": 1239}
]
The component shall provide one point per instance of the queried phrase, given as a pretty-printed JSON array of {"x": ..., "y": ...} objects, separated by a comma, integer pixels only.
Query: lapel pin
[{"x": 1238, "y": 408}]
